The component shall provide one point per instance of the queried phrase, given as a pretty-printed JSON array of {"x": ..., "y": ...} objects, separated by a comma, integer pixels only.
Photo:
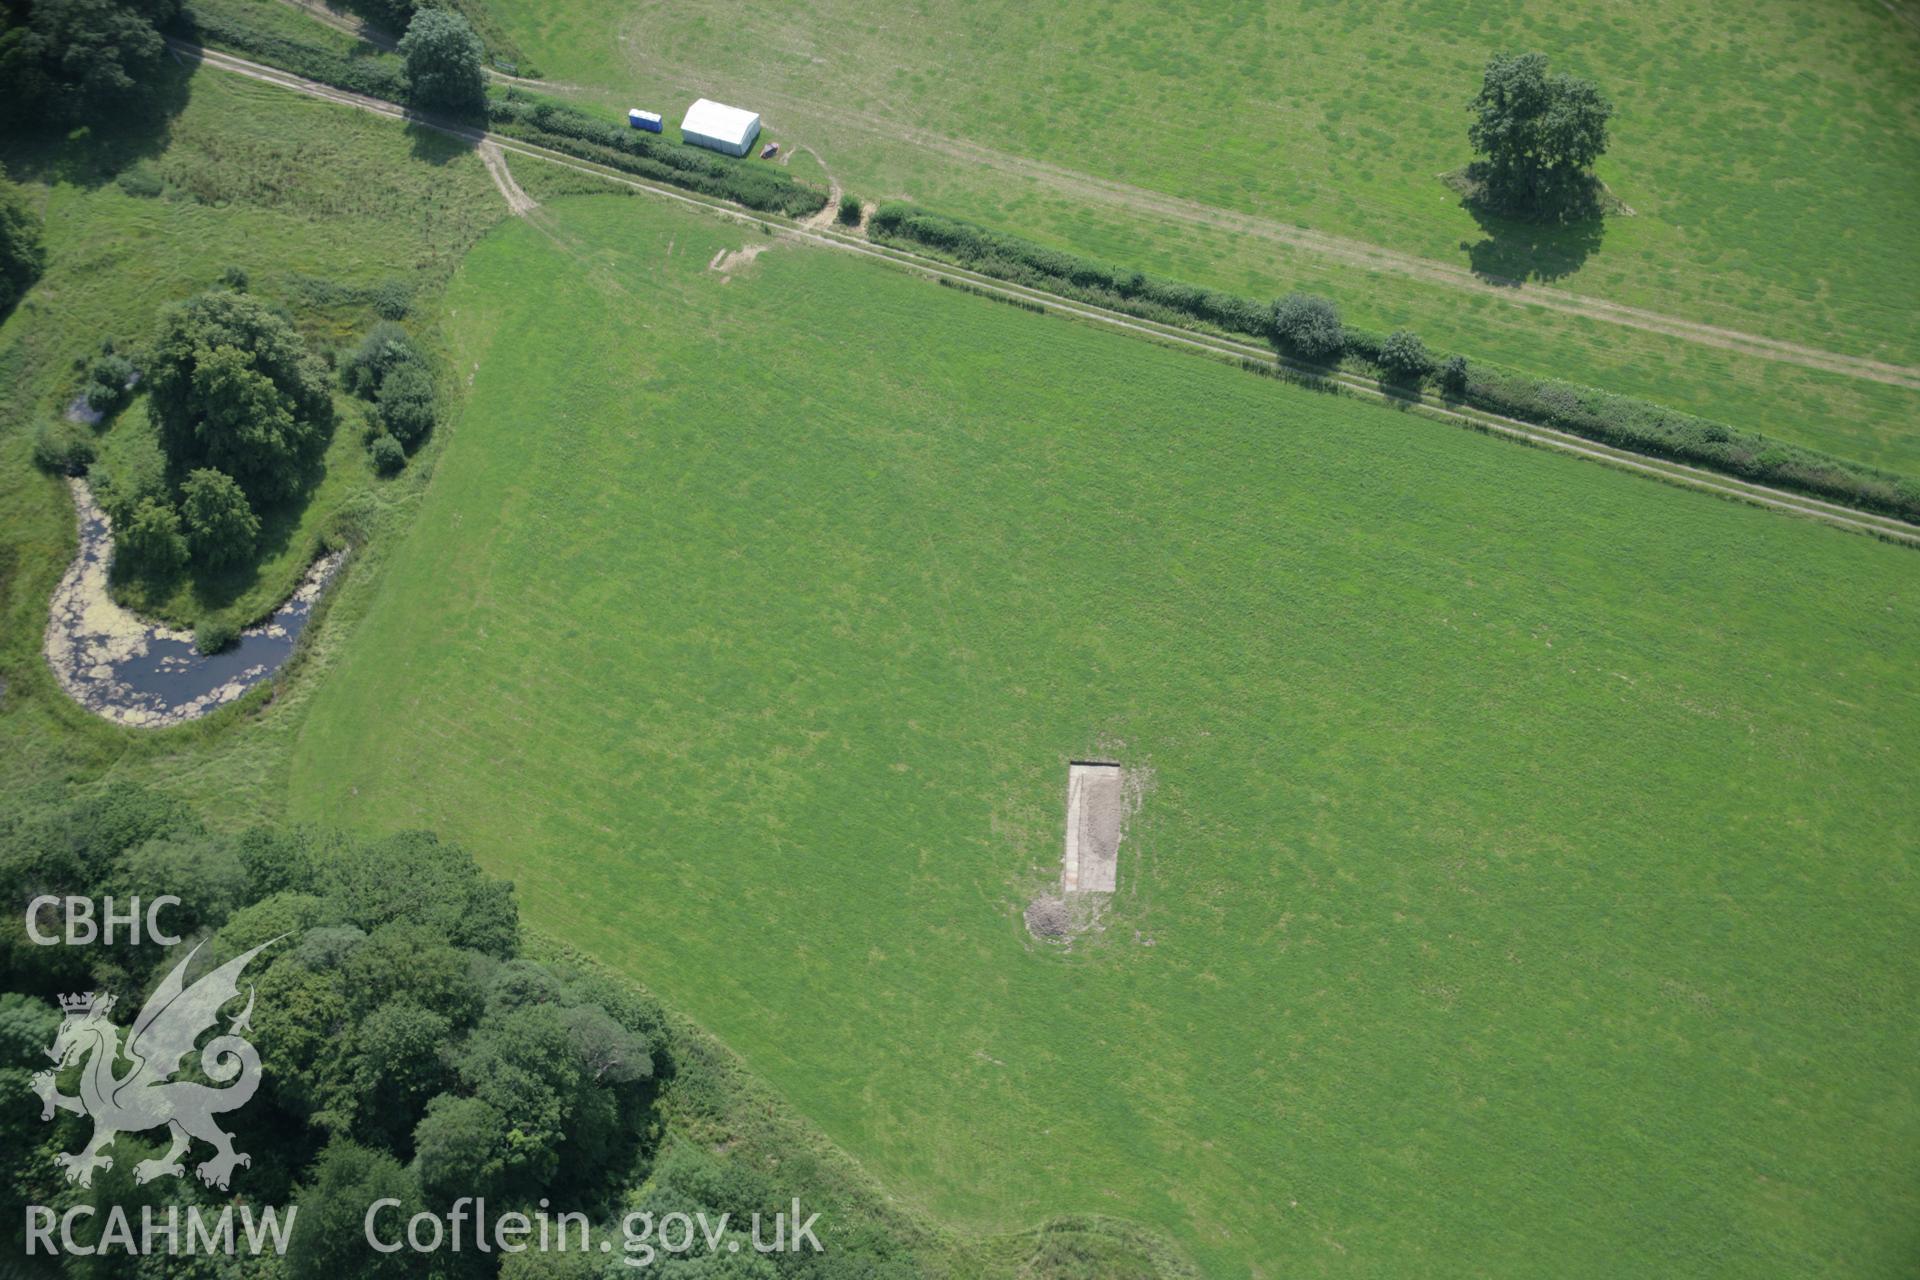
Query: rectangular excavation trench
[{"x": 1095, "y": 807}]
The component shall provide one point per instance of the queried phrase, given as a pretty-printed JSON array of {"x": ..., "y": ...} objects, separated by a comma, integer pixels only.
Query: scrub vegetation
[{"x": 786, "y": 658}]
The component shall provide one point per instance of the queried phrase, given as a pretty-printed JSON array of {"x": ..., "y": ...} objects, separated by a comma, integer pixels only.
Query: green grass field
[
  {"x": 1770, "y": 150},
  {"x": 1847, "y": 415},
  {"x": 1771, "y": 153},
  {"x": 1528, "y": 860}
]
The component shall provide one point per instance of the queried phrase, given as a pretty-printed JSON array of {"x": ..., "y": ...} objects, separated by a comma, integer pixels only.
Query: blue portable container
[{"x": 648, "y": 120}]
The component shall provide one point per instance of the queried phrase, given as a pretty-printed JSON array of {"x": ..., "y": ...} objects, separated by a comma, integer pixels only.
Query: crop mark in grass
[{"x": 727, "y": 261}]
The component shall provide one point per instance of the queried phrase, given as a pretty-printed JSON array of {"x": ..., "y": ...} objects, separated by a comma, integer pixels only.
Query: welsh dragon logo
[{"x": 145, "y": 1096}]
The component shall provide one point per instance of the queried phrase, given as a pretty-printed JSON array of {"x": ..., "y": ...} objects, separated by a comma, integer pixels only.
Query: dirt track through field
[
  {"x": 1356, "y": 253},
  {"x": 1353, "y": 253},
  {"x": 519, "y": 203},
  {"x": 1243, "y": 353}
]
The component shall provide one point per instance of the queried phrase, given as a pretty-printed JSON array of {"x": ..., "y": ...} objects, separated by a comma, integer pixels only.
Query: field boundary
[
  {"x": 1260, "y": 359},
  {"x": 1626, "y": 422},
  {"x": 1115, "y": 194}
]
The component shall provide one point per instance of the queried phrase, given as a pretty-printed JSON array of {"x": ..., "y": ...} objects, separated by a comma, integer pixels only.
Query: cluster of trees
[
  {"x": 443, "y": 59},
  {"x": 407, "y": 1048},
  {"x": 233, "y": 388},
  {"x": 388, "y": 370},
  {"x": 1538, "y": 135},
  {"x": 110, "y": 379},
  {"x": 68, "y": 61},
  {"x": 241, "y": 410},
  {"x": 400, "y": 1032},
  {"x": 1310, "y": 327},
  {"x": 23, "y": 252}
]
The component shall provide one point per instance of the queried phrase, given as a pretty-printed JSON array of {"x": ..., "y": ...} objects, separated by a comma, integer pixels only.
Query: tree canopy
[
  {"x": 407, "y": 1050},
  {"x": 221, "y": 526},
  {"x": 1309, "y": 326},
  {"x": 443, "y": 61},
  {"x": 1539, "y": 134},
  {"x": 68, "y": 60},
  {"x": 234, "y": 388},
  {"x": 152, "y": 539}
]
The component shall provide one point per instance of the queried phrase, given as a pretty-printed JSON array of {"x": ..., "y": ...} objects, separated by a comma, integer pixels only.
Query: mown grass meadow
[
  {"x": 1525, "y": 880},
  {"x": 1768, "y": 152},
  {"x": 1768, "y": 149},
  {"x": 380, "y": 204}
]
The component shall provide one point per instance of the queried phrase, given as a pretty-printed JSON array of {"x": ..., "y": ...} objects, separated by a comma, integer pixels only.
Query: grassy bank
[{"x": 323, "y": 211}]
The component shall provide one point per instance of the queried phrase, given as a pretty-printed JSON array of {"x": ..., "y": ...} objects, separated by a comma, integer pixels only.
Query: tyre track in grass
[{"x": 1232, "y": 350}]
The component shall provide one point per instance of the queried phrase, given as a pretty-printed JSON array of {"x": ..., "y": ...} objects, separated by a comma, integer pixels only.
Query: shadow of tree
[
  {"x": 430, "y": 144},
  {"x": 1514, "y": 250},
  {"x": 95, "y": 154}
]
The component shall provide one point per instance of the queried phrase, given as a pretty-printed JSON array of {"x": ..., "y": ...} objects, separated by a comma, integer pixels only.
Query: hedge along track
[{"x": 1233, "y": 350}]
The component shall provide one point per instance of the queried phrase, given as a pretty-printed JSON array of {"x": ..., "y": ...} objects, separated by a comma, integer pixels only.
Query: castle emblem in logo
[{"x": 145, "y": 1096}]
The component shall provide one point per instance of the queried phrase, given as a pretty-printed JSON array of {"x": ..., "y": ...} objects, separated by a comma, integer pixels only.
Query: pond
[{"x": 135, "y": 672}]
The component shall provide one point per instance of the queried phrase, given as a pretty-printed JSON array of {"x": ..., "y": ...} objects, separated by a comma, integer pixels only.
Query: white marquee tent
[{"x": 723, "y": 128}]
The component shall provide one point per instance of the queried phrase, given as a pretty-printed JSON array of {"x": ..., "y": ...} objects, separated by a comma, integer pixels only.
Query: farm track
[
  {"x": 1230, "y": 349},
  {"x": 519, "y": 203},
  {"x": 1353, "y": 253},
  {"x": 1089, "y": 189}
]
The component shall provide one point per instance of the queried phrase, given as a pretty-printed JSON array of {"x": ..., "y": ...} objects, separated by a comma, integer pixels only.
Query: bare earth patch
[
  {"x": 1063, "y": 918},
  {"x": 727, "y": 262},
  {"x": 1048, "y": 919},
  {"x": 519, "y": 203},
  {"x": 1101, "y": 796},
  {"x": 1096, "y": 809}
]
